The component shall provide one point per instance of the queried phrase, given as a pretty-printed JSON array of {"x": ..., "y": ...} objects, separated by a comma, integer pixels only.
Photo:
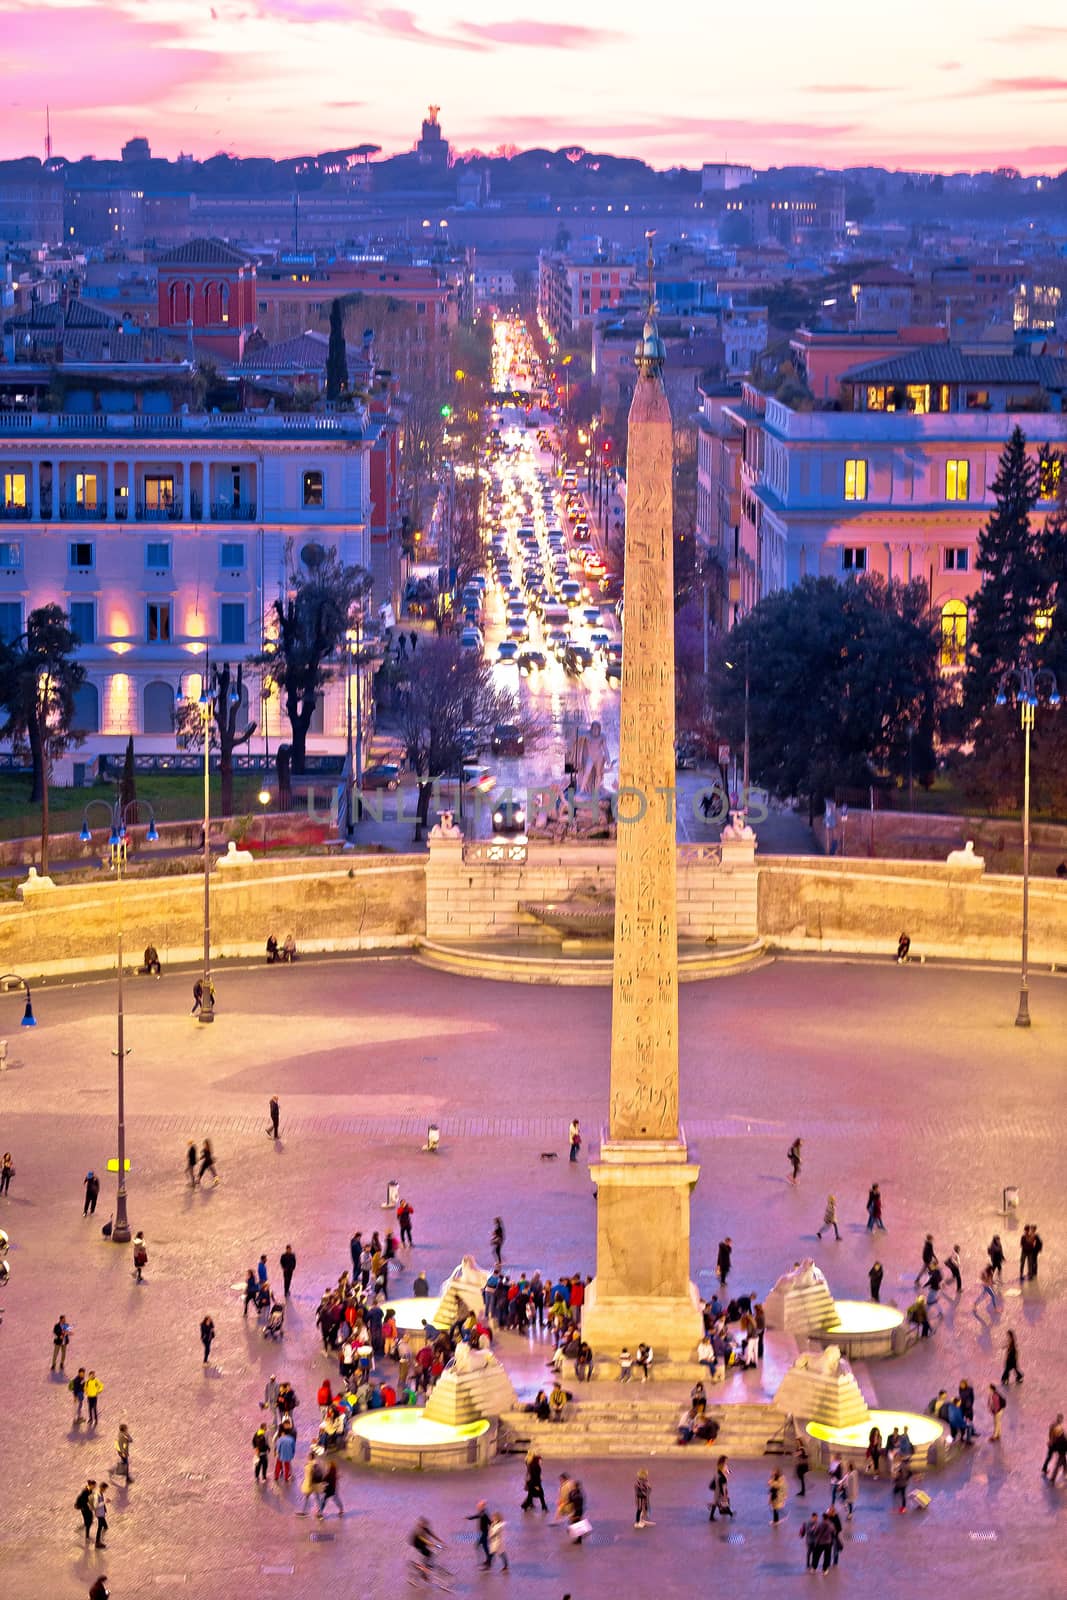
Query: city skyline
[{"x": 959, "y": 88}]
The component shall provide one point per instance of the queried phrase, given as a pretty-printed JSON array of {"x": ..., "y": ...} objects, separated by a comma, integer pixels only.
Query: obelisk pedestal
[{"x": 644, "y": 1178}]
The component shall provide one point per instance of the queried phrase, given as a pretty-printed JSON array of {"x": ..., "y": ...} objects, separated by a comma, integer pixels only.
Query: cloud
[
  {"x": 547, "y": 131},
  {"x": 1025, "y": 86},
  {"x": 401, "y": 24},
  {"x": 537, "y": 35},
  {"x": 1031, "y": 33}
]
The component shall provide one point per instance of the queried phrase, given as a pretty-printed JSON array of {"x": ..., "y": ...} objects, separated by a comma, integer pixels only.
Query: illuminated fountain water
[{"x": 801, "y": 1304}]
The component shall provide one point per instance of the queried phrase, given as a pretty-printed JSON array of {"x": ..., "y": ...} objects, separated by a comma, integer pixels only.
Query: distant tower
[
  {"x": 48, "y": 133},
  {"x": 432, "y": 148}
]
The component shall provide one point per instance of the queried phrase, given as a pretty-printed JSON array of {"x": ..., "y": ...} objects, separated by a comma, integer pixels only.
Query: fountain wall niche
[{"x": 801, "y": 1304}]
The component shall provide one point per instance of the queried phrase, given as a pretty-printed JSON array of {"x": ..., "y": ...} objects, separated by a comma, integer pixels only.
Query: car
[
  {"x": 599, "y": 639},
  {"x": 570, "y": 592},
  {"x": 509, "y": 816},
  {"x": 576, "y": 659},
  {"x": 383, "y": 775},
  {"x": 591, "y": 616},
  {"x": 507, "y": 740},
  {"x": 613, "y": 669},
  {"x": 518, "y": 630},
  {"x": 685, "y": 755},
  {"x": 531, "y": 661},
  {"x": 507, "y": 651},
  {"x": 470, "y": 639},
  {"x": 478, "y": 778}
]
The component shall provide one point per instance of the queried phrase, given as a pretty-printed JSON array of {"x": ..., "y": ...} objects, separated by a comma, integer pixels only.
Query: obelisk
[{"x": 642, "y": 1289}]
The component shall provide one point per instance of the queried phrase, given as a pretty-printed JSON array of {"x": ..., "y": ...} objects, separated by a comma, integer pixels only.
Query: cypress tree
[
  {"x": 336, "y": 355},
  {"x": 1014, "y": 579}
]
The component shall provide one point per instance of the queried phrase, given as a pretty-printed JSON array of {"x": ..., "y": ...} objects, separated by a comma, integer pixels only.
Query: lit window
[
  {"x": 854, "y": 558},
  {"x": 158, "y": 493},
  {"x": 953, "y": 634},
  {"x": 957, "y": 558},
  {"x": 1051, "y": 477},
  {"x": 85, "y": 490},
  {"x": 1042, "y": 624},
  {"x": 15, "y": 489},
  {"x": 313, "y": 489},
  {"x": 856, "y": 479},
  {"x": 957, "y": 480},
  {"x": 917, "y": 398},
  {"x": 158, "y": 621}
]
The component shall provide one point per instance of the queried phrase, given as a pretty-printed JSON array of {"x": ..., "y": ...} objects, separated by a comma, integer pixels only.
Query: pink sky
[{"x": 934, "y": 84}]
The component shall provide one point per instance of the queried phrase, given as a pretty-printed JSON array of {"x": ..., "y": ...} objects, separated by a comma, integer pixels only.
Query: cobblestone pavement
[{"x": 914, "y": 1077}]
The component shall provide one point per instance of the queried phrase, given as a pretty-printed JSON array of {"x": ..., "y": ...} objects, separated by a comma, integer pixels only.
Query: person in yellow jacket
[{"x": 93, "y": 1390}]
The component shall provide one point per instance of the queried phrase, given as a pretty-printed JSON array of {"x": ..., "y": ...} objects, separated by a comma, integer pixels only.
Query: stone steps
[{"x": 596, "y": 1429}]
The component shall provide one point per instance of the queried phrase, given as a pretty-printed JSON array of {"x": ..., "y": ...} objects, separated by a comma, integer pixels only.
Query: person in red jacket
[{"x": 404, "y": 1214}]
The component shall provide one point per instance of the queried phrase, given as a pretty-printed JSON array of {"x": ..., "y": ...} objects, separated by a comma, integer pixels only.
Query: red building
[{"x": 213, "y": 286}]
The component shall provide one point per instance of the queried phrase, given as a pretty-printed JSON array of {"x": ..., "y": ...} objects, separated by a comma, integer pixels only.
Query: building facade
[
  {"x": 212, "y": 286},
  {"x": 570, "y": 291},
  {"x": 167, "y": 536},
  {"x": 897, "y": 478}
]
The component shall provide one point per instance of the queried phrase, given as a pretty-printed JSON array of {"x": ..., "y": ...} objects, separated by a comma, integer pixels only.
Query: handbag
[{"x": 579, "y": 1529}]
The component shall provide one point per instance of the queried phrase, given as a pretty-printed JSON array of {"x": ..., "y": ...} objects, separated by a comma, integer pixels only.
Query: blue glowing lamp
[
  {"x": 85, "y": 836},
  {"x": 115, "y": 840},
  {"x": 1054, "y": 698},
  {"x": 28, "y": 1018},
  {"x": 152, "y": 836},
  {"x": 1001, "y": 699}
]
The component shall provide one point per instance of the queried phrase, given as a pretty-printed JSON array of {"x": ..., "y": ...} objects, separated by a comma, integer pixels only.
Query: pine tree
[
  {"x": 1014, "y": 579},
  {"x": 336, "y": 355}
]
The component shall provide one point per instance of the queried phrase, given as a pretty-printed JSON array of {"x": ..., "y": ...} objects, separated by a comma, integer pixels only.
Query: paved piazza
[{"x": 912, "y": 1077}]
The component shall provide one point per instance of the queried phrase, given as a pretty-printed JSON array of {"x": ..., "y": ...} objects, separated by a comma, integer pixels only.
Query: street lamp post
[
  {"x": 120, "y": 1231},
  {"x": 1027, "y": 686},
  {"x": 210, "y": 687},
  {"x": 28, "y": 1018}
]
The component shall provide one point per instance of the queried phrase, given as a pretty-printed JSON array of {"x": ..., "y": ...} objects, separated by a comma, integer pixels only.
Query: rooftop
[
  {"x": 354, "y": 424},
  {"x": 205, "y": 253},
  {"x": 306, "y": 352},
  {"x": 943, "y": 363}
]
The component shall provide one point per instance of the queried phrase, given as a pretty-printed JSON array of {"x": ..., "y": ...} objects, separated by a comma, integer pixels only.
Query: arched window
[
  {"x": 225, "y": 303},
  {"x": 158, "y": 707},
  {"x": 953, "y": 634},
  {"x": 87, "y": 708},
  {"x": 188, "y": 301},
  {"x": 172, "y": 295},
  {"x": 211, "y": 303}
]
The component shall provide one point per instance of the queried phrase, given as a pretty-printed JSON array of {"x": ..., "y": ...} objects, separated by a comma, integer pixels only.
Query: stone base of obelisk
[{"x": 641, "y": 1292}]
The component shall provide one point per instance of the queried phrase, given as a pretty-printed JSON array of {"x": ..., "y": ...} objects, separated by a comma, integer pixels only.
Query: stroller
[{"x": 274, "y": 1327}]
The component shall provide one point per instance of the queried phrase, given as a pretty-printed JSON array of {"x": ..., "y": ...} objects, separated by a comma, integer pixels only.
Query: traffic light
[{"x": 446, "y": 412}]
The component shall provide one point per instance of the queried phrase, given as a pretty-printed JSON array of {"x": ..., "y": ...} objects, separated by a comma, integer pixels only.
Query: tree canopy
[
  {"x": 838, "y": 673},
  {"x": 39, "y": 678}
]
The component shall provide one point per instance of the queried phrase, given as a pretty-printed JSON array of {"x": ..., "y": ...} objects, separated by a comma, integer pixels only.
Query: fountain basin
[
  {"x": 927, "y": 1434},
  {"x": 861, "y": 1329},
  {"x": 404, "y": 1437},
  {"x": 412, "y": 1311}
]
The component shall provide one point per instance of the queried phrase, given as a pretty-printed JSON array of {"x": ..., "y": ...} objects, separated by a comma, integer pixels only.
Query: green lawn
[{"x": 173, "y": 797}]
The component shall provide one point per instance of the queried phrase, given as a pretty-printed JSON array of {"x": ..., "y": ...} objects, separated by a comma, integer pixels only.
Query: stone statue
[
  {"x": 445, "y": 827},
  {"x": 593, "y": 758}
]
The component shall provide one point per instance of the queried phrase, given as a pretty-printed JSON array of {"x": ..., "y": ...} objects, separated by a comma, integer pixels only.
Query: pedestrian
[
  {"x": 93, "y": 1390},
  {"x": 404, "y": 1213},
  {"x": 1011, "y": 1360},
  {"x": 85, "y": 1504},
  {"x": 207, "y": 1336},
  {"x": 100, "y": 1510},
  {"x": 77, "y": 1389},
  {"x": 874, "y": 1278},
  {"x": 269, "y": 1402},
  {"x": 287, "y": 1262},
  {"x": 284, "y": 1449},
  {"x": 329, "y": 1492},
  {"x": 481, "y": 1516},
  {"x": 874, "y": 1453},
  {"x": 190, "y": 1164},
  {"x": 100, "y": 1590},
  {"x": 986, "y": 1288},
  {"x": 952, "y": 1262},
  {"x": 251, "y": 1289},
  {"x": 140, "y": 1257},
  {"x": 207, "y": 1163},
  {"x": 995, "y": 1252},
  {"x": 642, "y": 1500},
  {"x": 274, "y": 1112},
  {"x": 837, "y": 1542},
  {"x": 312, "y": 1480},
  {"x": 810, "y": 1535},
  {"x": 803, "y": 1466},
  {"x": 7, "y": 1172},
  {"x": 1055, "y": 1434},
  {"x": 576, "y": 1139},
  {"x": 724, "y": 1260},
  {"x": 776, "y": 1495},
  {"x": 60, "y": 1341},
  {"x": 901, "y": 1479},
  {"x": 496, "y": 1241},
  {"x": 720, "y": 1491},
  {"x": 824, "y": 1542},
  {"x": 198, "y": 996},
  {"x": 576, "y": 1517},
  {"x": 929, "y": 1257},
  {"x": 1030, "y": 1247},
  {"x": 829, "y": 1218},
  {"x": 996, "y": 1403},
  {"x": 355, "y": 1250},
  {"x": 92, "y": 1192},
  {"x": 497, "y": 1525},
  {"x": 414, "y": 641},
  {"x": 563, "y": 1499},
  {"x": 874, "y": 1209},
  {"x": 794, "y": 1160},
  {"x": 534, "y": 1484},
  {"x": 261, "y": 1451},
  {"x": 850, "y": 1488},
  {"x": 123, "y": 1441}
]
